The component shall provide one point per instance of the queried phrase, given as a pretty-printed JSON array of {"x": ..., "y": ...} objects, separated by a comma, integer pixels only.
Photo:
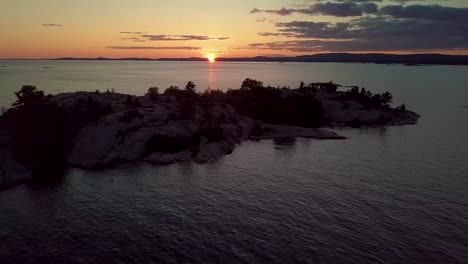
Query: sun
[{"x": 211, "y": 57}]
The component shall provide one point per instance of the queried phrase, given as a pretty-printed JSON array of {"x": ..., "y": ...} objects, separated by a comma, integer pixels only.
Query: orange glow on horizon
[{"x": 211, "y": 57}]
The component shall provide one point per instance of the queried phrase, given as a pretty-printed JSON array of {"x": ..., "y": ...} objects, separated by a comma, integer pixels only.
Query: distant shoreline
[{"x": 377, "y": 58}]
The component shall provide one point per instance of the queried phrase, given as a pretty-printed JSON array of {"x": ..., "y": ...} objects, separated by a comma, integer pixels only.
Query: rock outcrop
[{"x": 157, "y": 131}]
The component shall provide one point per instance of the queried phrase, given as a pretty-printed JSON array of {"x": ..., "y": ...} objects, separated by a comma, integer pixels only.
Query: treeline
[
  {"x": 253, "y": 99},
  {"x": 367, "y": 98},
  {"x": 283, "y": 105}
]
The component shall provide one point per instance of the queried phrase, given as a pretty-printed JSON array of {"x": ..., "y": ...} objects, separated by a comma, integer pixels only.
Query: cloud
[
  {"x": 153, "y": 48},
  {"x": 281, "y": 12},
  {"x": 344, "y": 9},
  {"x": 277, "y": 34},
  {"x": 354, "y": 8},
  {"x": 142, "y": 37},
  {"x": 370, "y": 1},
  {"x": 133, "y": 32},
  {"x": 134, "y": 39},
  {"x": 52, "y": 25},
  {"x": 427, "y": 12},
  {"x": 371, "y": 33},
  {"x": 388, "y": 28}
]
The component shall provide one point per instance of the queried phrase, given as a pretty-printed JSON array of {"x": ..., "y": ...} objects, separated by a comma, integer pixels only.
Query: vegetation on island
[
  {"x": 283, "y": 105},
  {"x": 38, "y": 127},
  {"x": 42, "y": 131}
]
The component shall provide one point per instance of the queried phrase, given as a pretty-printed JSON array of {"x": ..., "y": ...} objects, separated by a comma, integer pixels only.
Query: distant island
[
  {"x": 379, "y": 58},
  {"x": 42, "y": 134}
]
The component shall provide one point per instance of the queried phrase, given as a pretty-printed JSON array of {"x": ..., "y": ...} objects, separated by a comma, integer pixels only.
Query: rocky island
[{"x": 97, "y": 130}]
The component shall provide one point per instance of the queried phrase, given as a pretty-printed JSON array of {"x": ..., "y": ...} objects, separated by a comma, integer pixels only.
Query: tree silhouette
[
  {"x": 387, "y": 98},
  {"x": 252, "y": 84},
  {"x": 153, "y": 93},
  {"x": 190, "y": 88},
  {"x": 28, "y": 96},
  {"x": 39, "y": 129}
]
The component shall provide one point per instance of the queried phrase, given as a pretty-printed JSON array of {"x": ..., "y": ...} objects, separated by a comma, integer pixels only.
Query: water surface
[{"x": 385, "y": 195}]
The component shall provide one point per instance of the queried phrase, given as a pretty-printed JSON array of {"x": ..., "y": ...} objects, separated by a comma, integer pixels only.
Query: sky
[{"x": 36, "y": 29}]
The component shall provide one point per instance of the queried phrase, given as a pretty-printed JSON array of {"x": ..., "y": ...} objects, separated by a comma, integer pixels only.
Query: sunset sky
[{"x": 241, "y": 28}]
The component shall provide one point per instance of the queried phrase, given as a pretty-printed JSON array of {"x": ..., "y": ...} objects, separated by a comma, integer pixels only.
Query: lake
[{"x": 384, "y": 195}]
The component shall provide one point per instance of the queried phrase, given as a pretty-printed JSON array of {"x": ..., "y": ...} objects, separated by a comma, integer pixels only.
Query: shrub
[
  {"x": 401, "y": 108},
  {"x": 301, "y": 87}
]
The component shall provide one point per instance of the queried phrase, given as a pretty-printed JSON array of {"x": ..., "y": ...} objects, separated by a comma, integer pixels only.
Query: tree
[
  {"x": 190, "y": 88},
  {"x": 354, "y": 90},
  {"x": 329, "y": 87},
  {"x": 387, "y": 98},
  {"x": 153, "y": 92},
  {"x": 39, "y": 129},
  {"x": 172, "y": 91},
  {"x": 29, "y": 96},
  {"x": 252, "y": 84}
]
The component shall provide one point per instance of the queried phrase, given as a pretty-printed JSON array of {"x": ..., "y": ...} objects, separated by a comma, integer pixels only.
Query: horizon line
[{"x": 233, "y": 58}]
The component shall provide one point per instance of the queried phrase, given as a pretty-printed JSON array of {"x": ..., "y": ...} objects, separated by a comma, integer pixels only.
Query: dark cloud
[
  {"x": 427, "y": 12},
  {"x": 277, "y": 34},
  {"x": 153, "y": 48},
  {"x": 359, "y": 1},
  {"x": 281, "y": 12},
  {"x": 354, "y": 8},
  {"x": 345, "y": 9},
  {"x": 390, "y": 28},
  {"x": 323, "y": 30},
  {"x": 360, "y": 45},
  {"x": 342, "y": 9},
  {"x": 407, "y": 1},
  {"x": 52, "y": 25},
  {"x": 377, "y": 34},
  {"x": 375, "y": 1}
]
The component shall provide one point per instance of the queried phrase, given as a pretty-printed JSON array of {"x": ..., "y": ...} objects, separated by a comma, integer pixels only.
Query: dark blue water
[{"x": 385, "y": 195}]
